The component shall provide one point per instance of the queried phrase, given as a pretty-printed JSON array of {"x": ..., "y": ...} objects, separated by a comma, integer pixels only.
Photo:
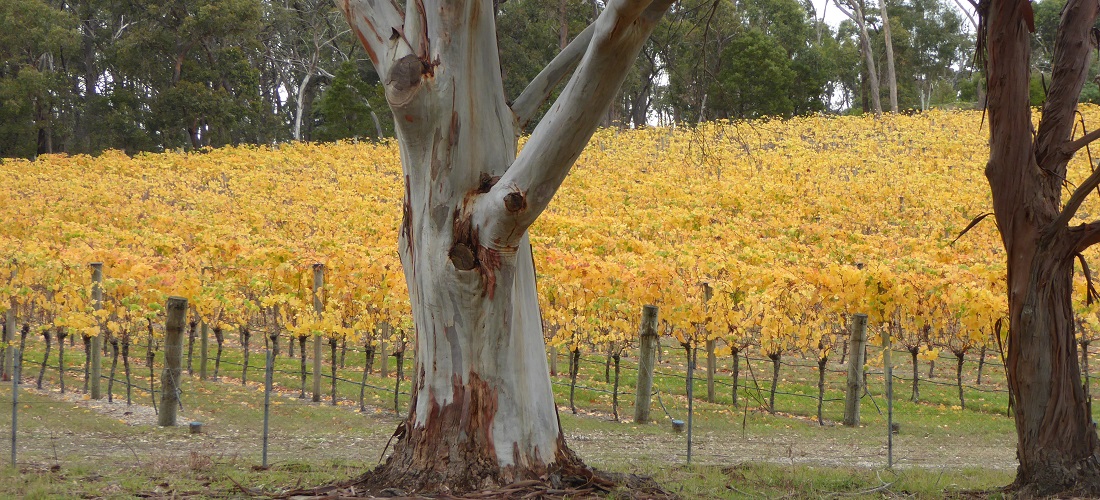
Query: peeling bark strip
[
  {"x": 482, "y": 410},
  {"x": 1057, "y": 441}
]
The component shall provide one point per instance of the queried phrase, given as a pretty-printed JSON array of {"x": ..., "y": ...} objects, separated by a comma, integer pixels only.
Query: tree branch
[
  {"x": 540, "y": 88},
  {"x": 378, "y": 25},
  {"x": 1072, "y": 51},
  {"x": 525, "y": 189},
  {"x": 1086, "y": 235},
  {"x": 973, "y": 22},
  {"x": 845, "y": 11},
  {"x": 1075, "y": 201},
  {"x": 1074, "y": 146}
]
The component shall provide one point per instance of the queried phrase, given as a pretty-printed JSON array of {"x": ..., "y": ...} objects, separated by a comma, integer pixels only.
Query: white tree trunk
[
  {"x": 891, "y": 75},
  {"x": 300, "y": 109},
  {"x": 483, "y": 411},
  {"x": 872, "y": 73},
  {"x": 856, "y": 14},
  {"x": 377, "y": 125}
]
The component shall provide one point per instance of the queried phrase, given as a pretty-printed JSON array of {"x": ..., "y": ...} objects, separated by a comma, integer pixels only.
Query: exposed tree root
[
  {"x": 574, "y": 484},
  {"x": 1081, "y": 480}
]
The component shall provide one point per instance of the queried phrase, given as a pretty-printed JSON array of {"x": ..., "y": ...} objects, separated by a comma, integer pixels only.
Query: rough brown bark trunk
[{"x": 1057, "y": 441}]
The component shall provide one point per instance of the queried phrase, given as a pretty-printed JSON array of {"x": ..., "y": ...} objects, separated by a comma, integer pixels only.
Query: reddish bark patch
[
  {"x": 453, "y": 451},
  {"x": 488, "y": 261},
  {"x": 515, "y": 201},
  {"x": 406, "y": 217},
  {"x": 486, "y": 182},
  {"x": 455, "y": 124},
  {"x": 466, "y": 252},
  {"x": 453, "y": 456}
]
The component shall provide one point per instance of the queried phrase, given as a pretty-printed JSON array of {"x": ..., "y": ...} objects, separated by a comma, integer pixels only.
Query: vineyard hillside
[{"x": 789, "y": 226}]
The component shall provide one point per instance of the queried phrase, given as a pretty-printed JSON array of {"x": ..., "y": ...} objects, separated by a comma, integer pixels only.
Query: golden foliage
[{"x": 794, "y": 225}]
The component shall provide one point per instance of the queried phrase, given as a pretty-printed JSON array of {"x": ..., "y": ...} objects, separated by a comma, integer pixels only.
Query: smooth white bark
[
  {"x": 856, "y": 14},
  {"x": 300, "y": 108},
  {"x": 891, "y": 75},
  {"x": 469, "y": 201}
]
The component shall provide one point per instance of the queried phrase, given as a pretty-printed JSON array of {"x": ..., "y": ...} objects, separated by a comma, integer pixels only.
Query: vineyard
[{"x": 754, "y": 238}]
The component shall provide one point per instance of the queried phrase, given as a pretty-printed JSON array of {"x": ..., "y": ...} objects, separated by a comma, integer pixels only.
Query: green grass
[{"x": 67, "y": 449}]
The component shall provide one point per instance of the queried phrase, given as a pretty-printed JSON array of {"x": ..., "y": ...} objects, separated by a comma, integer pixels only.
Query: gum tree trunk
[
  {"x": 891, "y": 75},
  {"x": 482, "y": 412},
  {"x": 1057, "y": 441},
  {"x": 853, "y": 9}
]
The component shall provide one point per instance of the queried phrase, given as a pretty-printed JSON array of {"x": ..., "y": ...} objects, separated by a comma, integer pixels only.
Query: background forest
[{"x": 83, "y": 76}]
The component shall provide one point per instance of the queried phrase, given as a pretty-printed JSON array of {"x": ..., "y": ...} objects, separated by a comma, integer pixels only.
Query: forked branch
[
  {"x": 540, "y": 88},
  {"x": 1074, "y": 146},
  {"x": 1072, "y": 54},
  {"x": 1075, "y": 201},
  {"x": 1086, "y": 235},
  {"x": 525, "y": 189}
]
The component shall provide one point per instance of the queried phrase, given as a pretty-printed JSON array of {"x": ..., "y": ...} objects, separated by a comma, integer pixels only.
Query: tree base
[
  {"x": 574, "y": 481},
  {"x": 1081, "y": 480}
]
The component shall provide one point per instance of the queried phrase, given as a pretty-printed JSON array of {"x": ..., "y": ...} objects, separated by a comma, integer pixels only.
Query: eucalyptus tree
[
  {"x": 933, "y": 50},
  {"x": 32, "y": 78},
  {"x": 1057, "y": 443},
  {"x": 483, "y": 411},
  {"x": 189, "y": 65},
  {"x": 854, "y": 10}
]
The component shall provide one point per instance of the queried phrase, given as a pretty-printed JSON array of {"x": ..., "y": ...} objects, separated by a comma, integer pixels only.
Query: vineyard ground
[{"x": 69, "y": 446}]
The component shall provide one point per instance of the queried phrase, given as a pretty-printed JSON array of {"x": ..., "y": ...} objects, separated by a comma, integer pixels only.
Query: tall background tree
[
  {"x": 34, "y": 82},
  {"x": 138, "y": 76}
]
